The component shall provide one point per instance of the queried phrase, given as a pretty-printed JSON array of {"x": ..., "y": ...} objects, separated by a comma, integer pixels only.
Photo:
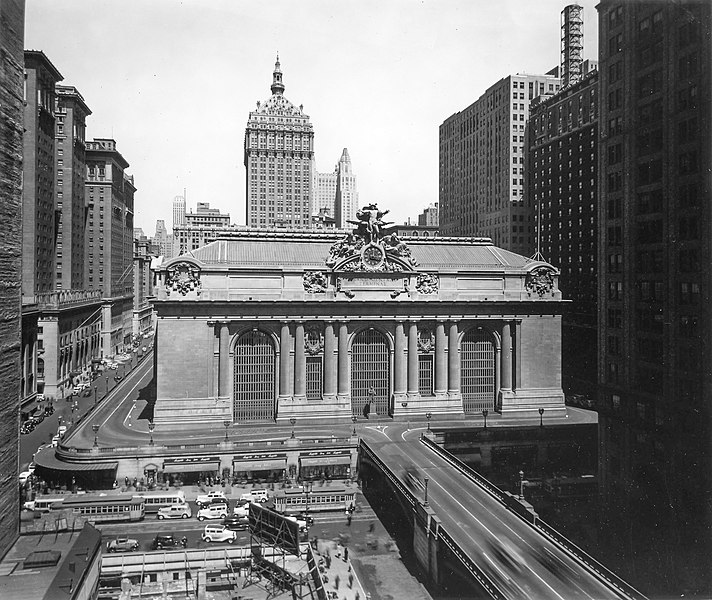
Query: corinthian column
[
  {"x": 224, "y": 360},
  {"x": 330, "y": 365},
  {"x": 344, "y": 383},
  {"x": 453, "y": 361},
  {"x": 440, "y": 360},
  {"x": 412, "y": 359},
  {"x": 285, "y": 380},
  {"x": 300, "y": 363}
]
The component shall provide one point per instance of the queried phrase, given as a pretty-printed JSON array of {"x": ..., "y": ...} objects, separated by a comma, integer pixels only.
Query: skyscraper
[
  {"x": 71, "y": 114},
  {"x": 12, "y": 27},
  {"x": 179, "y": 207},
  {"x": 279, "y": 161},
  {"x": 482, "y": 164},
  {"x": 346, "y": 202},
  {"x": 38, "y": 208},
  {"x": 655, "y": 314}
]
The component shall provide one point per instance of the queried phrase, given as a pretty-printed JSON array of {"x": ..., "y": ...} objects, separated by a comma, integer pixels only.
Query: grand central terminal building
[{"x": 265, "y": 326}]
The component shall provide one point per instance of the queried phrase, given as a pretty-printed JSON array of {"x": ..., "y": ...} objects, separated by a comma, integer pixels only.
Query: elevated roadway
[{"x": 497, "y": 540}]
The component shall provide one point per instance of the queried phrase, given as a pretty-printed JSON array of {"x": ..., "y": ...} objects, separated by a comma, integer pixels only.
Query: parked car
[
  {"x": 117, "y": 377},
  {"x": 242, "y": 510},
  {"x": 236, "y": 523},
  {"x": 24, "y": 477},
  {"x": 209, "y": 498},
  {"x": 214, "y": 511},
  {"x": 218, "y": 533},
  {"x": 175, "y": 511},
  {"x": 166, "y": 540},
  {"x": 256, "y": 495},
  {"x": 122, "y": 544}
]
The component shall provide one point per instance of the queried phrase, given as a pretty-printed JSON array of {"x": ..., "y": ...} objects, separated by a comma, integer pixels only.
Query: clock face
[{"x": 372, "y": 256}]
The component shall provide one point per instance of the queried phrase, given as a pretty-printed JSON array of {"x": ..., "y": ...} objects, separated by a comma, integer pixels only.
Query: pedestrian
[
  {"x": 351, "y": 580},
  {"x": 346, "y": 554},
  {"x": 371, "y": 527},
  {"x": 348, "y": 519},
  {"x": 184, "y": 541},
  {"x": 337, "y": 579}
]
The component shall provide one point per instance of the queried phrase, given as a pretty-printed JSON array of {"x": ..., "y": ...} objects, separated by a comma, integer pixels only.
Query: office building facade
[
  {"x": 430, "y": 216},
  {"x": 481, "y": 171},
  {"x": 179, "y": 209},
  {"x": 110, "y": 199},
  {"x": 279, "y": 162},
  {"x": 655, "y": 218},
  {"x": 70, "y": 112},
  {"x": 562, "y": 190}
]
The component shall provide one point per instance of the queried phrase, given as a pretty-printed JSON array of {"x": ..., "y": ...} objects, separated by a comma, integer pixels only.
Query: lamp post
[
  {"x": 541, "y": 417},
  {"x": 485, "y": 412},
  {"x": 226, "y": 424},
  {"x": 353, "y": 419},
  {"x": 428, "y": 416},
  {"x": 292, "y": 420},
  {"x": 95, "y": 429},
  {"x": 521, "y": 485},
  {"x": 151, "y": 427},
  {"x": 426, "y": 479},
  {"x": 95, "y": 400},
  {"x": 308, "y": 486}
]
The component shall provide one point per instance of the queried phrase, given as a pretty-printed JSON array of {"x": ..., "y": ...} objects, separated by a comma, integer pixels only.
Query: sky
[{"x": 173, "y": 83}]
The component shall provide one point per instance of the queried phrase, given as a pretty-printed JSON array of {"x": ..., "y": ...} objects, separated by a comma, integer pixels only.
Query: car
[
  {"x": 24, "y": 477},
  {"x": 214, "y": 511},
  {"x": 165, "y": 540},
  {"x": 117, "y": 377},
  {"x": 218, "y": 533},
  {"x": 209, "y": 498},
  {"x": 122, "y": 544},
  {"x": 236, "y": 523},
  {"x": 175, "y": 511},
  {"x": 242, "y": 510},
  {"x": 61, "y": 430},
  {"x": 308, "y": 519},
  {"x": 256, "y": 495},
  {"x": 144, "y": 349}
]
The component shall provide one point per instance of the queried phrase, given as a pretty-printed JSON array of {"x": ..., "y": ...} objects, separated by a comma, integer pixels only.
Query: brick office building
[{"x": 265, "y": 326}]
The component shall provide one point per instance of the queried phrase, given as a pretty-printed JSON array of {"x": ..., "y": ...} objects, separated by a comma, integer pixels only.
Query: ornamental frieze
[
  {"x": 182, "y": 277},
  {"x": 540, "y": 281},
  {"x": 313, "y": 341},
  {"x": 427, "y": 283},
  {"x": 426, "y": 340},
  {"x": 315, "y": 282}
]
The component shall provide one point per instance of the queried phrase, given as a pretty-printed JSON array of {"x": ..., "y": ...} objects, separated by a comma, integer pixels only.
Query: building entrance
[
  {"x": 254, "y": 388},
  {"x": 477, "y": 369},
  {"x": 370, "y": 373}
]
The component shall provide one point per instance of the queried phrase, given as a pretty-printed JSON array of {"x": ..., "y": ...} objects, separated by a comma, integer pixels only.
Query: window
[
  {"x": 649, "y": 232},
  {"x": 615, "y": 44},
  {"x": 687, "y": 130},
  {"x": 615, "y": 99},
  {"x": 650, "y": 202},
  {"x": 615, "y": 181},
  {"x": 425, "y": 375},
  {"x": 615, "y": 154},
  {"x": 615, "y": 318}
]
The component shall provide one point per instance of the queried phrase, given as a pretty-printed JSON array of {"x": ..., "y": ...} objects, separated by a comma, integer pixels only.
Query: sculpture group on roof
[{"x": 370, "y": 222}]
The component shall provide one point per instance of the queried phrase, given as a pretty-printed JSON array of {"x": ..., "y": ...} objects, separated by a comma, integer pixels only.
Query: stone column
[
  {"x": 440, "y": 360},
  {"x": 285, "y": 379},
  {"x": 412, "y": 359},
  {"x": 453, "y": 361},
  {"x": 224, "y": 360},
  {"x": 517, "y": 355},
  {"x": 497, "y": 374},
  {"x": 300, "y": 363},
  {"x": 330, "y": 365},
  {"x": 506, "y": 356},
  {"x": 344, "y": 383},
  {"x": 400, "y": 373}
]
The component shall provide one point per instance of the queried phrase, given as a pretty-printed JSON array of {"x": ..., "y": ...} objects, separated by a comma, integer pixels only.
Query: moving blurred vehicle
[{"x": 122, "y": 544}]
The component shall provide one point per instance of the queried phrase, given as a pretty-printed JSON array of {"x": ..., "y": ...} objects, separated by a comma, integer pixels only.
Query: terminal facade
[{"x": 264, "y": 326}]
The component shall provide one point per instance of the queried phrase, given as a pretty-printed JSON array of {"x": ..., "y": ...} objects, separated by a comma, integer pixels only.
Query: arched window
[
  {"x": 477, "y": 371},
  {"x": 370, "y": 372},
  {"x": 254, "y": 381}
]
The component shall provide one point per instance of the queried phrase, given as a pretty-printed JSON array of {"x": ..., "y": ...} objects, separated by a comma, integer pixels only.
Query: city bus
[
  {"x": 156, "y": 500},
  {"x": 105, "y": 508},
  {"x": 298, "y": 500}
]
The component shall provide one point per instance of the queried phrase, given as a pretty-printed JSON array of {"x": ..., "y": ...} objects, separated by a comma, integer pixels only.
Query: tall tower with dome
[{"x": 279, "y": 161}]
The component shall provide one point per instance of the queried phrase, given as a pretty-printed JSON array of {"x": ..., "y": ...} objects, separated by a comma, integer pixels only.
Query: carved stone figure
[
  {"x": 315, "y": 282},
  {"x": 539, "y": 281},
  {"x": 183, "y": 277},
  {"x": 313, "y": 341},
  {"x": 370, "y": 222},
  {"x": 427, "y": 283},
  {"x": 426, "y": 340},
  {"x": 397, "y": 247}
]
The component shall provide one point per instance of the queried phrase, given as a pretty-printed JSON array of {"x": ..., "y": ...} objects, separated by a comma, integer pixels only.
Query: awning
[
  {"x": 192, "y": 467},
  {"x": 319, "y": 461},
  {"x": 259, "y": 465},
  {"x": 47, "y": 459}
]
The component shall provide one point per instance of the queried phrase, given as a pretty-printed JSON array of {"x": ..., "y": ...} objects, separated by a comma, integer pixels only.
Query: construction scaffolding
[{"x": 571, "y": 45}]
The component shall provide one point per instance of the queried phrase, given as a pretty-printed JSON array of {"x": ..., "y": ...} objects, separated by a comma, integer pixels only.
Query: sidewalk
[{"x": 340, "y": 579}]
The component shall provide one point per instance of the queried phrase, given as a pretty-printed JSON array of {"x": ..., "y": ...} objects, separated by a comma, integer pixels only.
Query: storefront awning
[
  {"x": 318, "y": 461},
  {"x": 47, "y": 459},
  {"x": 259, "y": 465},
  {"x": 190, "y": 467}
]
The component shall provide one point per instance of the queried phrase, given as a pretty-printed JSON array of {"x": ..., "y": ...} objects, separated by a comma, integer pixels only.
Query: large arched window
[
  {"x": 254, "y": 381},
  {"x": 370, "y": 372},
  {"x": 477, "y": 371}
]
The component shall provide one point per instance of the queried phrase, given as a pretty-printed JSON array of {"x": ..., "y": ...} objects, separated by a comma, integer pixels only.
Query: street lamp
[
  {"x": 541, "y": 417},
  {"x": 353, "y": 418},
  {"x": 226, "y": 424},
  {"x": 426, "y": 479},
  {"x": 521, "y": 485},
  {"x": 151, "y": 427},
  {"x": 95, "y": 389},
  {"x": 292, "y": 420},
  {"x": 428, "y": 416},
  {"x": 485, "y": 412},
  {"x": 95, "y": 429},
  {"x": 308, "y": 487}
]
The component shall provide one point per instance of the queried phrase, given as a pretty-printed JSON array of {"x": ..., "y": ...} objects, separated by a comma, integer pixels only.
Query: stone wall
[{"x": 12, "y": 24}]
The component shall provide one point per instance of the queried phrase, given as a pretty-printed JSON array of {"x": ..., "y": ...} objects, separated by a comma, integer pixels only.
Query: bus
[
  {"x": 156, "y": 500},
  {"x": 44, "y": 503},
  {"x": 105, "y": 508},
  {"x": 298, "y": 500}
]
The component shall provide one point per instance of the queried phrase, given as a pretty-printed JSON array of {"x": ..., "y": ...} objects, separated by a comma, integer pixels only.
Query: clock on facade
[{"x": 372, "y": 256}]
